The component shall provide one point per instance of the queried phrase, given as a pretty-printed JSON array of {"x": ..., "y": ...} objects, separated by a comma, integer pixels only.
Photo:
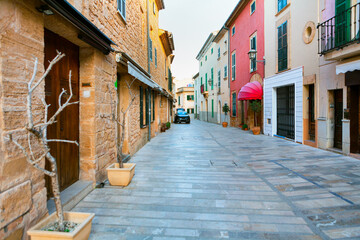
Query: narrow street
[{"x": 202, "y": 181}]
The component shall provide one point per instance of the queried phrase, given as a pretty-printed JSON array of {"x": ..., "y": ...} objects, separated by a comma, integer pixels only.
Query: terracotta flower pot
[
  {"x": 245, "y": 129},
  {"x": 81, "y": 232},
  {"x": 256, "y": 130},
  {"x": 121, "y": 176},
  {"x": 224, "y": 124}
]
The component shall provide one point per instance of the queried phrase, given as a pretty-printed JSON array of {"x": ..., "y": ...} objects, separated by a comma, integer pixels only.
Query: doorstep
[{"x": 72, "y": 195}]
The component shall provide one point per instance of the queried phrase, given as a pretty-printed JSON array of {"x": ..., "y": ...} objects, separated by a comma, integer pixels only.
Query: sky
[{"x": 191, "y": 22}]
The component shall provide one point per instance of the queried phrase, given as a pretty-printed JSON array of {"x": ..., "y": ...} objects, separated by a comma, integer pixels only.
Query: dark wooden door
[
  {"x": 67, "y": 125},
  {"x": 338, "y": 95},
  {"x": 286, "y": 112},
  {"x": 311, "y": 112},
  {"x": 354, "y": 119}
]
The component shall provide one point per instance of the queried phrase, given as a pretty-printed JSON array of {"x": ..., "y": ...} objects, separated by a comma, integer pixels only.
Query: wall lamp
[
  {"x": 45, "y": 9},
  {"x": 252, "y": 56}
]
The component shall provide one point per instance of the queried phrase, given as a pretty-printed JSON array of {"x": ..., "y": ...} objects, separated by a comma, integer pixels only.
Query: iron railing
[{"x": 340, "y": 30}]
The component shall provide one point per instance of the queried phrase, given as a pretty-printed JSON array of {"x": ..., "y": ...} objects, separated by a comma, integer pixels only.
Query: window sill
[
  {"x": 122, "y": 17},
  {"x": 282, "y": 10},
  {"x": 283, "y": 70},
  {"x": 143, "y": 127},
  {"x": 225, "y": 78}
]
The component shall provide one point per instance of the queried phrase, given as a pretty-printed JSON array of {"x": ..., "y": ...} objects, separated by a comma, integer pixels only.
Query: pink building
[{"x": 246, "y": 27}]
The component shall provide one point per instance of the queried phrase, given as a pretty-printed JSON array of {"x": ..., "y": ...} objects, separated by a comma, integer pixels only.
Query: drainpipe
[
  {"x": 148, "y": 58},
  {"x": 228, "y": 67},
  {"x": 228, "y": 30}
]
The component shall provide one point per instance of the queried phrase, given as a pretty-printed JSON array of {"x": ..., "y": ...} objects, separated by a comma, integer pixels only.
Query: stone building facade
[{"x": 104, "y": 42}]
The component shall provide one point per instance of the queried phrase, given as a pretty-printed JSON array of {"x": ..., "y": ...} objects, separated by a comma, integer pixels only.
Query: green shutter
[
  {"x": 212, "y": 79},
  {"x": 234, "y": 104},
  {"x": 147, "y": 106},
  {"x": 153, "y": 108},
  {"x": 141, "y": 107},
  {"x": 282, "y": 47},
  {"x": 170, "y": 80},
  {"x": 212, "y": 108},
  {"x": 206, "y": 82},
  {"x": 342, "y": 22}
]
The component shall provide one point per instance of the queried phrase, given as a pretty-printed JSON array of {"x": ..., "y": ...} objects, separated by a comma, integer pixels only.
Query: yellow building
[{"x": 104, "y": 42}]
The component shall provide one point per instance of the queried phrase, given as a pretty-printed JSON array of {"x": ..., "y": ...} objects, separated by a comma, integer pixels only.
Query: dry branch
[{"x": 38, "y": 133}]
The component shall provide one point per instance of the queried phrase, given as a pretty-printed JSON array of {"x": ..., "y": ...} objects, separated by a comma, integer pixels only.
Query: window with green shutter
[
  {"x": 170, "y": 80},
  {"x": 219, "y": 80},
  {"x": 282, "y": 47},
  {"x": 233, "y": 66},
  {"x": 212, "y": 107},
  {"x": 206, "y": 82},
  {"x": 155, "y": 57},
  {"x": 212, "y": 78},
  {"x": 153, "y": 106},
  {"x": 253, "y": 47},
  {"x": 121, "y": 6},
  {"x": 141, "y": 94},
  {"x": 151, "y": 49},
  {"x": 281, "y": 4},
  {"x": 342, "y": 22},
  {"x": 147, "y": 106},
  {"x": 234, "y": 104}
]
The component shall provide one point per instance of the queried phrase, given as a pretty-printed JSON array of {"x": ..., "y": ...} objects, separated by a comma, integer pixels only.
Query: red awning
[{"x": 251, "y": 91}]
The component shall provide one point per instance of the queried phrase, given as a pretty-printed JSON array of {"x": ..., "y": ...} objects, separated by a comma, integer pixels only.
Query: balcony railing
[
  {"x": 340, "y": 30},
  {"x": 202, "y": 88}
]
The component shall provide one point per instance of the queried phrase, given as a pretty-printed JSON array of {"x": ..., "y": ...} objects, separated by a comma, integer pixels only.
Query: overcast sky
[{"x": 191, "y": 22}]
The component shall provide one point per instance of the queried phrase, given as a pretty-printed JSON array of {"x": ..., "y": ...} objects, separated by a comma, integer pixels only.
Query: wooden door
[
  {"x": 67, "y": 125},
  {"x": 311, "y": 112},
  {"x": 338, "y": 95}
]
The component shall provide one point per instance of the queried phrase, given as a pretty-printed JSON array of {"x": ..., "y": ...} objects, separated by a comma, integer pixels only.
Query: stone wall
[{"x": 22, "y": 188}]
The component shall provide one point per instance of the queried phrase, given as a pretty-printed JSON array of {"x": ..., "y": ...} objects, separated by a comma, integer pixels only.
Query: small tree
[
  {"x": 255, "y": 105},
  {"x": 225, "y": 109},
  {"x": 36, "y": 133},
  {"x": 119, "y": 117}
]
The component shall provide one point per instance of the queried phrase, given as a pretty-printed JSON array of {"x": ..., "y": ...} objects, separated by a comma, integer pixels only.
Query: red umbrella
[{"x": 251, "y": 91}]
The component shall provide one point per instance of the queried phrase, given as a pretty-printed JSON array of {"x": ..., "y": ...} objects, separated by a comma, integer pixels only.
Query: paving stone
[{"x": 203, "y": 181}]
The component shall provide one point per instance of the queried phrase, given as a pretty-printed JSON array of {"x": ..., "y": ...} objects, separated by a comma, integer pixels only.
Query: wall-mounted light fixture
[
  {"x": 45, "y": 9},
  {"x": 252, "y": 56}
]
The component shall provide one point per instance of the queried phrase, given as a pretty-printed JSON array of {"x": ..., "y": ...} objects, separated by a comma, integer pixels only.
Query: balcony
[
  {"x": 202, "y": 90},
  {"x": 339, "y": 36}
]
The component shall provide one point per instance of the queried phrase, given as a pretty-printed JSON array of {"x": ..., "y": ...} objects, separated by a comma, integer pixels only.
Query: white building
[{"x": 212, "y": 84}]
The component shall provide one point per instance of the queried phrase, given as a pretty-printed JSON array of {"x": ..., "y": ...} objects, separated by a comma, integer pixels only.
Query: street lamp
[{"x": 252, "y": 56}]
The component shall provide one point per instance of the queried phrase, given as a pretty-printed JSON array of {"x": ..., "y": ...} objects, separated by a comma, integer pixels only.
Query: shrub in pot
[
  {"x": 168, "y": 125},
  {"x": 225, "y": 109},
  {"x": 255, "y": 105},
  {"x": 245, "y": 127}
]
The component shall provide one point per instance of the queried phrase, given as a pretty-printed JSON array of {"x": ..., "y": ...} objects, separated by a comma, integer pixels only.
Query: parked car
[
  {"x": 182, "y": 116},
  {"x": 180, "y": 109}
]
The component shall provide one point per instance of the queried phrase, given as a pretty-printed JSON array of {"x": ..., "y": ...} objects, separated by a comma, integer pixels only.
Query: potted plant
[
  {"x": 225, "y": 109},
  {"x": 168, "y": 125},
  {"x": 255, "y": 105},
  {"x": 163, "y": 127},
  {"x": 59, "y": 225},
  {"x": 120, "y": 173},
  {"x": 245, "y": 127}
]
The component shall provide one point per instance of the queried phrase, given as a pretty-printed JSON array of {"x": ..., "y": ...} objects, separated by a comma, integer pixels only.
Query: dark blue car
[{"x": 182, "y": 116}]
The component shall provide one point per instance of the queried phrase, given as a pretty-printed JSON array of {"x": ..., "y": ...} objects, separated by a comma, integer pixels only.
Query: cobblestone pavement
[{"x": 202, "y": 181}]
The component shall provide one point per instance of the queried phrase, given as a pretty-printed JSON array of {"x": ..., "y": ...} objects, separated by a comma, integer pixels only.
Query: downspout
[
  {"x": 148, "y": 58},
  {"x": 228, "y": 30}
]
